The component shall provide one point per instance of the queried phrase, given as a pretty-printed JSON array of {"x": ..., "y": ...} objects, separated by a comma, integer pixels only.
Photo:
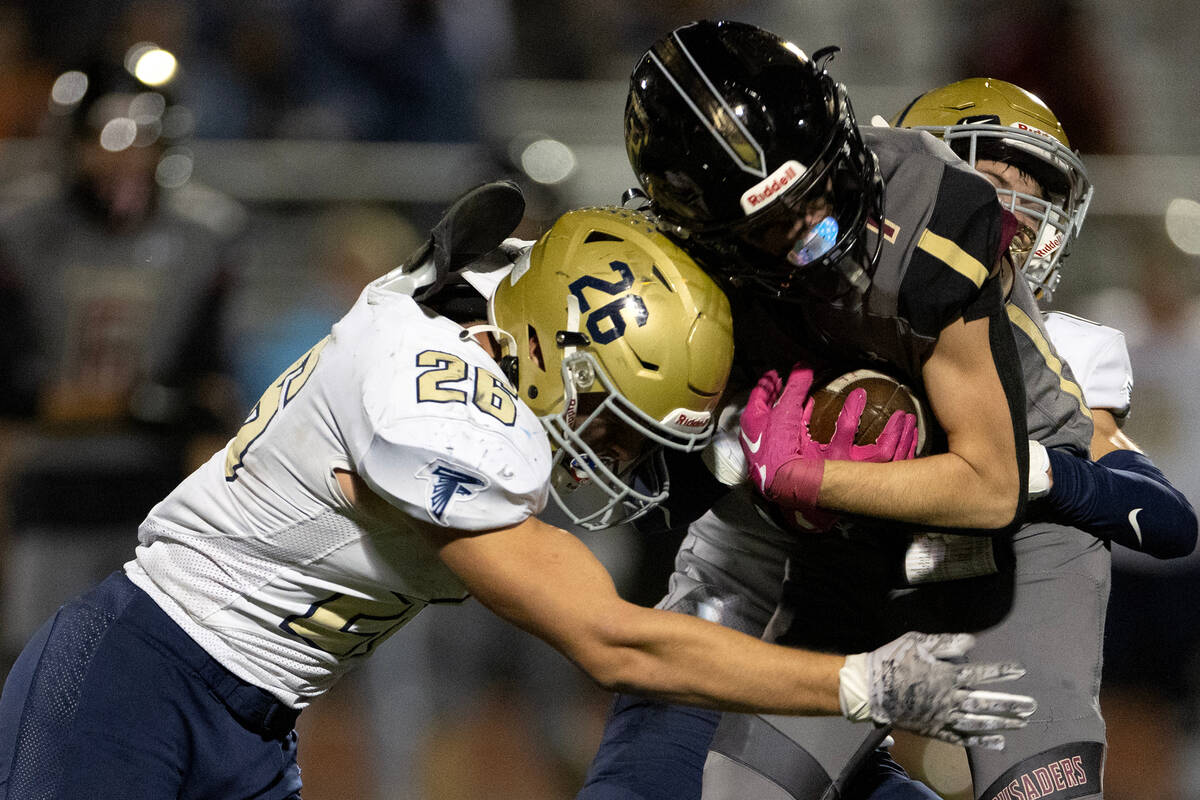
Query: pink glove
[
  {"x": 785, "y": 464},
  {"x": 775, "y": 428}
]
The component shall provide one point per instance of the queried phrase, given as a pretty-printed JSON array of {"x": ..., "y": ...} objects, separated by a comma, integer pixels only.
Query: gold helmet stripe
[{"x": 677, "y": 64}]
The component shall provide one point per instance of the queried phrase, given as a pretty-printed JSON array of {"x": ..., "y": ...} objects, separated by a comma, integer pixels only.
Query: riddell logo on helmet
[
  {"x": 1049, "y": 247},
  {"x": 1021, "y": 126},
  {"x": 762, "y": 193},
  {"x": 683, "y": 418}
]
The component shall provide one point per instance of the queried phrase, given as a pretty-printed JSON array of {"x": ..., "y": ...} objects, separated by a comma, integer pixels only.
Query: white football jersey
[
  {"x": 1099, "y": 358},
  {"x": 259, "y": 556}
]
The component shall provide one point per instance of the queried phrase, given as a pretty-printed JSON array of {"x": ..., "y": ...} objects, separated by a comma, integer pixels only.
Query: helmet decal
[
  {"x": 716, "y": 115},
  {"x": 773, "y": 186}
]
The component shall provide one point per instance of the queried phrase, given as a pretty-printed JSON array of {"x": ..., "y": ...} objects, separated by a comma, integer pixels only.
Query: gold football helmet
[
  {"x": 985, "y": 118},
  {"x": 622, "y": 346}
]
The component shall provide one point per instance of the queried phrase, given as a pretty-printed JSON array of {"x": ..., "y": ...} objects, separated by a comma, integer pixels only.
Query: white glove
[
  {"x": 1039, "y": 470},
  {"x": 920, "y": 683}
]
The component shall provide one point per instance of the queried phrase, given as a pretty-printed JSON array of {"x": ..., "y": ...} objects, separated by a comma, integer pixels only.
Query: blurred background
[{"x": 168, "y": 251}]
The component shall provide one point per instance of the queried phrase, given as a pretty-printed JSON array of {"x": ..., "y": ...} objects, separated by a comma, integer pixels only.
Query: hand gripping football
[{"x": 885, "y": 395}]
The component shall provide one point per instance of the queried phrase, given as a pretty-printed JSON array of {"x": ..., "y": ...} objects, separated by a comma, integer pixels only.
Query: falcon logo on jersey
[{"x": 447, "y": 485}]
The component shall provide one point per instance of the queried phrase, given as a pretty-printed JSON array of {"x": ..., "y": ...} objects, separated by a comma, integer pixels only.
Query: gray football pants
[{"x": 1044, "y": 606}]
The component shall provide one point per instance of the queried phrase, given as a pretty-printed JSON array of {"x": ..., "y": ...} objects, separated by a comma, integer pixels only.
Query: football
[{"x": 885, "y": 395}]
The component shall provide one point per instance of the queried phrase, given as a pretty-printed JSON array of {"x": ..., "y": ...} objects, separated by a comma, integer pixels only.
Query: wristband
[
  {"x": 1039, "y": 468},
  {"x": 852, "y": 689},
  {"x": 797, "y": 483}
]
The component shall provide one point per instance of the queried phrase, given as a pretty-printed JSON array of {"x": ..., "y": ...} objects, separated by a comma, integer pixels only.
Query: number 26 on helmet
[{"x": 622, "y": 346}]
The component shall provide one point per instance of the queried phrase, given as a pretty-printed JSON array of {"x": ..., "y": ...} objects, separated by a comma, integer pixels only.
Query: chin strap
[{"x": 498, "y": 332}]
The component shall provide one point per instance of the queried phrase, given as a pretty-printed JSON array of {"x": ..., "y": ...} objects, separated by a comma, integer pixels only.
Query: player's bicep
[
  {"x": 536, "y": 576},
  {"x": 969, "y": 398}
]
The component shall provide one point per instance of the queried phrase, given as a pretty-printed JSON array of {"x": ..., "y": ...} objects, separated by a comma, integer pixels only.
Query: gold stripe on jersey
[
  {"x": 953, "y": 256},
  {"x": 1030, "y": 329}
]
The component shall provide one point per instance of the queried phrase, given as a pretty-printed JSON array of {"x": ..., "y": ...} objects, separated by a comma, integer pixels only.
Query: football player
[
  {"x": 1012, "y": 138},
  {"x": 779, "y": 192},
  {"x": 1018, "y": 143},
  {"x": 400, "y": 462}
]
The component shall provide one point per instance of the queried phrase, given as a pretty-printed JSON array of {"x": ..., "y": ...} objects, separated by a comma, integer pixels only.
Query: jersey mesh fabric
[{"x": 192, "y": 577}]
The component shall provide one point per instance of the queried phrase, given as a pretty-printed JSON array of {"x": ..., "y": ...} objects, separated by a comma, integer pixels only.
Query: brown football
[{"x": 885, "y": 395}]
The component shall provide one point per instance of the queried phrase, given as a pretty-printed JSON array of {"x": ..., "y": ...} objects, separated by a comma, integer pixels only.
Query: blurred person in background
[
  {"x": 1152, "y": 647},
  {"x": 311, "y": 267},
  {"x": 113, "y": 290},
  {"x": 385, "y": 71},
  {"x": 24, "y": 78}
]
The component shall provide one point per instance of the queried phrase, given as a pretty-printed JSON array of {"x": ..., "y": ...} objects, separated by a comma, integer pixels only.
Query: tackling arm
[
  {"x": 1121, "y": 496},
  {"x": 545, "y": 581}
]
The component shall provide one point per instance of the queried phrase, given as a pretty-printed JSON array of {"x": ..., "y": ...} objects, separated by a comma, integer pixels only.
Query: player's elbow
[
  {"x": 1179, "y": 537},
  {"x": 985, "y": 481},
  {"x": 613, "y": 656},
  {"x": 994, "y": 503},
  {"x": 996, "y": 499},
  {"x": 1005, "y": 502},
  {"x": 613, "y": 667}
]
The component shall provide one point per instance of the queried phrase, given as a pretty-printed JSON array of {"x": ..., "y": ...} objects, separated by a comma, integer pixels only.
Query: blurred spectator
[
  {"x": 24, "y": 79},
  {"x": 241, "y": 75},
  {"x": 1053, "y": 49},
  {"x": 112, "y": 291},
  {"x": 1151, "y": 692},
  {"x": 380, "y": 70},
  {"x": 310, "y": 269}
]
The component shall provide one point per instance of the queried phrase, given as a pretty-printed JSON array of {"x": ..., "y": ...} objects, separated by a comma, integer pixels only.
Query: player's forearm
[
  {"x": 1125, "y": 498},
  {"x": 943, "y": 490},
  {"x": 547, "y": 582},
  {"x": 686, "y": 660}
]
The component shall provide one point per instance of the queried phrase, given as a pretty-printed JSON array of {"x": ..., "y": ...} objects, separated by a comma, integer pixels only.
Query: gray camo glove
[{"x": 921, "y": 683}]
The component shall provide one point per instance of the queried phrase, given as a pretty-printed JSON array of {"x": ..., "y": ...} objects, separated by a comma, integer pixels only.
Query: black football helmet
[{"x": 749, "y": 151}]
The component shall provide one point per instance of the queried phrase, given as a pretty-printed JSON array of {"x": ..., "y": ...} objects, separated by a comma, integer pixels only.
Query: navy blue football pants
[{"x": 111, "y": 699}]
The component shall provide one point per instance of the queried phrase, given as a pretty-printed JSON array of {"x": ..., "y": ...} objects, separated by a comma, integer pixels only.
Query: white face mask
[{"x": 594, "y": 489}]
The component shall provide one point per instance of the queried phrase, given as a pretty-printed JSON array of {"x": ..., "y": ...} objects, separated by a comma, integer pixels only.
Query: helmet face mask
[
  {"x": 622, "y": 346},
  {"x": 986, "y": 119},
  {"x": 601, "y": 441},
  {"x": 735, "y": 134}
]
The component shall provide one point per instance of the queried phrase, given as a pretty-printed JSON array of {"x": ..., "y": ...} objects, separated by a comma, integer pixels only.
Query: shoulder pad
[{"x": 1099, "y": 358}]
